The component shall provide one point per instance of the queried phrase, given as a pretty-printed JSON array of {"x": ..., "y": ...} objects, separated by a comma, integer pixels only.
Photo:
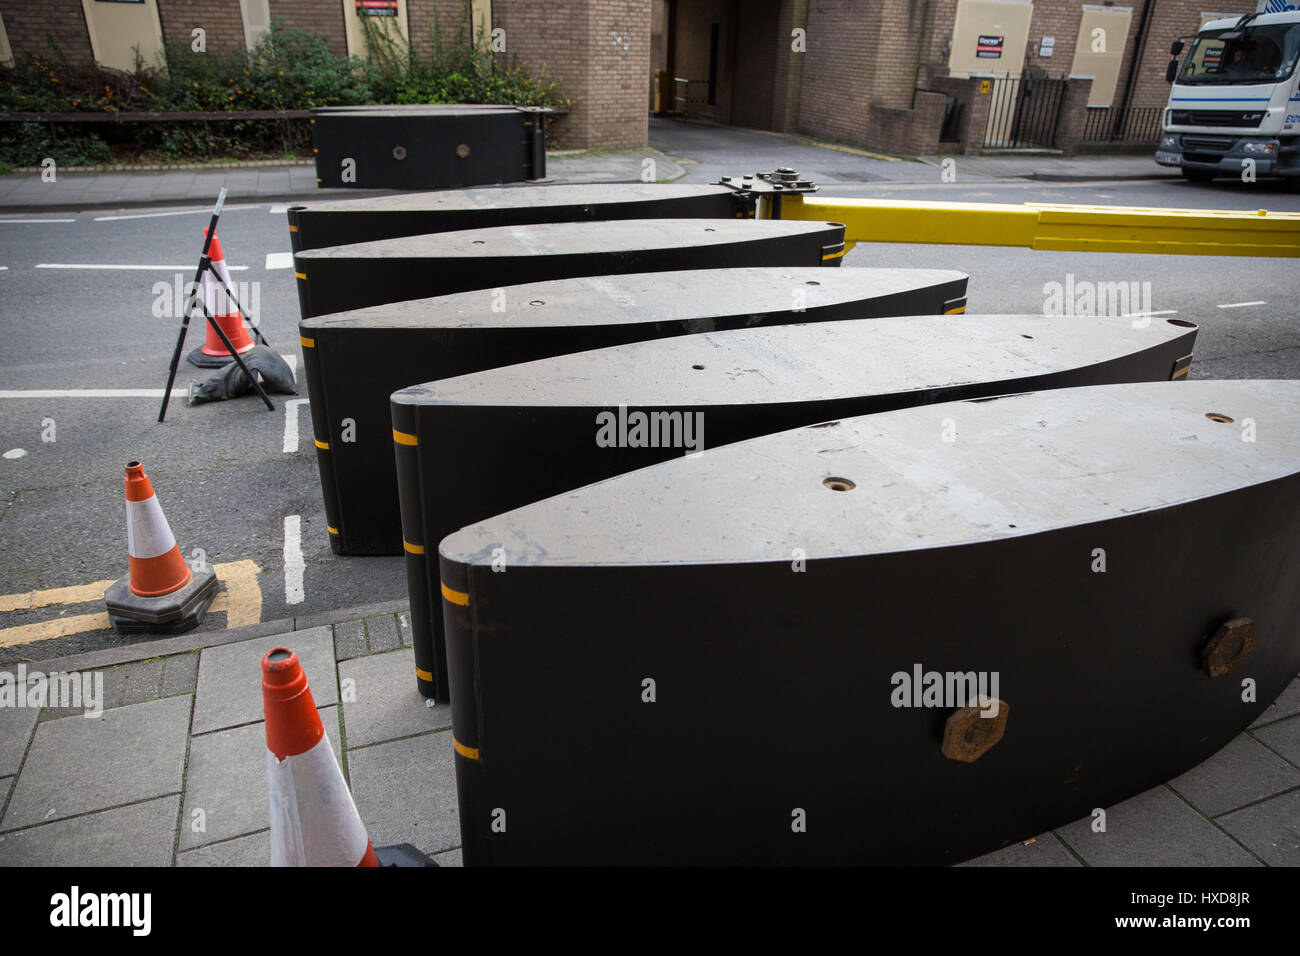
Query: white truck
[{"x": 1235, "y": 98}]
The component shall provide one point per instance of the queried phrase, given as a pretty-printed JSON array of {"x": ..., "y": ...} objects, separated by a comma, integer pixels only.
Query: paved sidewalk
[
  {"x": 173, "y": 772},
  {"x": 1051, "y": 168},
  {"x": 27, "y": 192}
]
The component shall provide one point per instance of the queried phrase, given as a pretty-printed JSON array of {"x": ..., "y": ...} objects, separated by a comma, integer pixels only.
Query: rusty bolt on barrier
[
  {"x": 1230, "y": 645},
  {"x": 967, "y": 735}
]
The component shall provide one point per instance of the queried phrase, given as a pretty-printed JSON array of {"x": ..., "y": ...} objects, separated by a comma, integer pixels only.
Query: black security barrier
[
  {"x": 478, "y": 445},
  {"x": 354, "y": 276},
  {"x": 354, "y": 361},
  {"x": 858, "y": 643},
  {"x": 341, "y": 221},
  {"x": 427, "y": 147}
]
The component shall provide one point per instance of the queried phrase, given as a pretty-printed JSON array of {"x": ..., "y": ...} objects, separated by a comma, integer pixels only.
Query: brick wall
[
  {"x": 32, "y": 26},
  {"x": 599, "y": 50},
  {"x": 451, "y": 17},
  {"x": 313, "y": 16},
  {"x": 220, "y": 19},
  {"x": 619, "y": 72},
  {"x": 837, "y": 69}
]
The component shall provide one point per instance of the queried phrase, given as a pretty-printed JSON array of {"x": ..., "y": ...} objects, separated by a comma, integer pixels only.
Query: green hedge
[{"x": 289, "y": 70}]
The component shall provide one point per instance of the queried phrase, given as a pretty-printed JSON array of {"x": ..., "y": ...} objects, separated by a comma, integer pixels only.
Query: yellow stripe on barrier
[
  {"x": 833, "y": 255},
  {"x": 1056, "y": 227},
  {"x": 300, "y": 275},
  {"x": 331, "y": 529},
  {"x": 293, "y": 228},
  {"x": 412, "y": 548},
  {"x": 957, "y": 311},
  {"x": 402, "y": 438},
  {"x": 455, "y": 597},
  {"x": 470, "y": 753},
  {"x": 322, "y": 445},
  {"x": 1181, "y": 373},
  {"x": 423, "y": 675},
  {"x": 307, "y": 343}
]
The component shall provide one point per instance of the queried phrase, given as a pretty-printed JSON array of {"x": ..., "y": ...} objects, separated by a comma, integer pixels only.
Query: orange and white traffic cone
[
  {"x": 213, "y": 353},
  {"x": 313, "y": 819},
  {"x": 160, "y": 592}
]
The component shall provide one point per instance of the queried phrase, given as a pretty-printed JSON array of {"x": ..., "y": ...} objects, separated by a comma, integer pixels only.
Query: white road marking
[
  {"x": 111, "y": 266},
  {"x": 36, "y": 220},
  {"x": 1134, "y": 315},
  {"x": 279, "y": 207},
  {"x": 4, "y": 268},
  {"x": 15, "y": 453},
  {"x": 279, "y": 260},
  {"x": 1241, "y": 305},
  {"x": 178, "y": 212},
  {"x": 294, "y": 564},
  {"x": 291, "y": 423},
  {"x": 89, "y": 392}
]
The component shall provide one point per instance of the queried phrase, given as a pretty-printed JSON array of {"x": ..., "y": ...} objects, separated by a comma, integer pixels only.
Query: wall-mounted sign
[
  {"x": 989, "y": 48},
  {"x": 376, "y": 8}
]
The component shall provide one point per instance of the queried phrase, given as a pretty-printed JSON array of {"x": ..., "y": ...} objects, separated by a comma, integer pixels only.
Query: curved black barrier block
[
  {"x": 354, "y": 361},
  {"x": 654, "y": 680},
  {"x": 485, "y": 443},
  {"x": 341, "y": 221},
  {"x": 339, "y": 278}
]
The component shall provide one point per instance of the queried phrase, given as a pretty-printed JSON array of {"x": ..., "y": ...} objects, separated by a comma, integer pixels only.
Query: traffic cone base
[
  {"x": 172, "y": 613},
  {"x": 160, "y": 593}
]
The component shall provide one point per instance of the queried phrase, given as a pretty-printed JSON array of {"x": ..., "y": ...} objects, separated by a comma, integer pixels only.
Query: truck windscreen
[{"x": 1262, "y": 54}]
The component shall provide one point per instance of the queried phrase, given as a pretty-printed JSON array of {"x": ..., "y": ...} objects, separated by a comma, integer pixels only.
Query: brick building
[
  {"x": 598, "y": 49},
  {"x": 887, "y": 73},
  {"x": 906, "y": 76}
]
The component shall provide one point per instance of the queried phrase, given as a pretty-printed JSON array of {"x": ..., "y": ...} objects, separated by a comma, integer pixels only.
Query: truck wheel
[{"x": 1197, "y": 175}]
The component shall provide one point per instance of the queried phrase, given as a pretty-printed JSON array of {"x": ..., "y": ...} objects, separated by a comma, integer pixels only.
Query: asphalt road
[{"x": 222, "y": 471}]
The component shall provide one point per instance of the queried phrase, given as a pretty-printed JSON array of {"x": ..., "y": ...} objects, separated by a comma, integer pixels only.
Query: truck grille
[
  {"x": 1225, "y": 118},
  {"x": 1223, "y": 143}
]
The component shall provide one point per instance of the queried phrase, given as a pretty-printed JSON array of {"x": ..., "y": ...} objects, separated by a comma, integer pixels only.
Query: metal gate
[{"x": 1024, "y": 111}]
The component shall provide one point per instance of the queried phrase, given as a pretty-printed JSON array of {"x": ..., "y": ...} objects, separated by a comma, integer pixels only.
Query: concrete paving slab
[
  {"x": 1270, "y": 829},
  {"x": 143, "y": 681},
  {"x": 230, "y": 677},
  {"x": 141, "y": 834},
  {"x": 1045, "y": 850},
  {"x": 350, "y": 640},
  {"x": 1286, "y": 705},
  {"x": 450, "y": 858},
  {"x": 1242, "y": 772},
  {"x": 381, "y": 633},
  {"x": 406, "y": 792},
  {"x": 1283, "y": 738},
  {"x": 114, "y": 680},
  {"x": 16, "y": 725},
  {"x": 78, "y": 764},
  {"x": 180, "y": 674},
  {"x": 404, "y": 628},
  {"x": 386, "y": 704},
  {"x": 1155, "y": 828},
  {"x": 251, "y": 850},
  {"x": 225, "y": 787}
]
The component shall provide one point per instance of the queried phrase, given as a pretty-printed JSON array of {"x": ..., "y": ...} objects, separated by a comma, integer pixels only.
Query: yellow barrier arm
[{"x": 1202, "y": 232}]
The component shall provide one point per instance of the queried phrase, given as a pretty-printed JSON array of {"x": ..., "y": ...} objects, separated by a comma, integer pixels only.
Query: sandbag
[{"x": 231, "y": 382}]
